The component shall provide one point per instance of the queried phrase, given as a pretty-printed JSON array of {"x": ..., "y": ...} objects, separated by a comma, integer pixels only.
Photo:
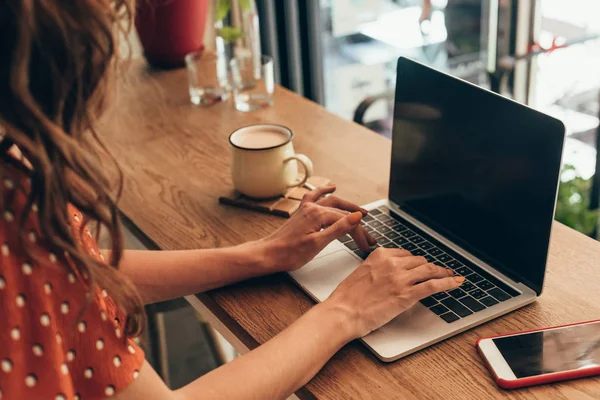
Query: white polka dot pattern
[
  {"x": 20, "y": 301},
  {"x": 26, "y": 268},
  {"x": 38, "y": 350},
  {"x": 9, "y": 216},
  {"x": 8, "y": 183},
  {"x": 6, "y": 365},
  {"x": 109, "y": 391},
  {"x": 46, "y": 286},
  {"x": 45, "y": 319},
  {"x": 30, "y": 380}
]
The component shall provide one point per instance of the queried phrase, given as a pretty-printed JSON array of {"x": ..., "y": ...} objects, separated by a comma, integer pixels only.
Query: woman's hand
[
  {"x": 319, "y": 220},
  {"x": 389, "y": 282}
]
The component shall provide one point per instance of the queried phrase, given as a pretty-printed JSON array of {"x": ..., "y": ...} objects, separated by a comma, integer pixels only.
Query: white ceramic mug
[{"x": 264, "y": 164}]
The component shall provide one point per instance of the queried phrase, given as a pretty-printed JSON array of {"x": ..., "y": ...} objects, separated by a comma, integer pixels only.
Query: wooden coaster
[{"x": 283, "y": 206}]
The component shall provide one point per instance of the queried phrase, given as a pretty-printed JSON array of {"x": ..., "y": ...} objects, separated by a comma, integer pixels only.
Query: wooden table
[{"x": 175, "y": 158}]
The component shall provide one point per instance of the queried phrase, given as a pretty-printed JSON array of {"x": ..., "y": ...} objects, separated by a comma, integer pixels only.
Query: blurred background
[{"x": 543, "y": 53}]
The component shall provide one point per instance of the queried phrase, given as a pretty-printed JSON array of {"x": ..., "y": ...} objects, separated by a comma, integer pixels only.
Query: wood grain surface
[{"x": 176, "y": 159}]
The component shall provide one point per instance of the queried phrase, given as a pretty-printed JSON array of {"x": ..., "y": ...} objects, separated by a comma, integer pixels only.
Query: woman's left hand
[{"x": 319, "y": 220}]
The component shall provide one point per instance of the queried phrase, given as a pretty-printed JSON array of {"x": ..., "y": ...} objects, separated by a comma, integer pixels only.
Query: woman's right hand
[{"x": 389, "y": 282}]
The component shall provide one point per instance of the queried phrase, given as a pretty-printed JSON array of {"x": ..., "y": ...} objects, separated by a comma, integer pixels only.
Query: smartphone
[{"x": 543, "y": 355}]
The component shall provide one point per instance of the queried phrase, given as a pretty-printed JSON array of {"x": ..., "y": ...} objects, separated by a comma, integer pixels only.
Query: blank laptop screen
[{"x": 479, "y": 169}]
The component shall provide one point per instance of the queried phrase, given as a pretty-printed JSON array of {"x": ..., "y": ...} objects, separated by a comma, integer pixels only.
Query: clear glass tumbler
[
  {"x": 253, "y": 82},
  {"x": 207, "y": 77}
]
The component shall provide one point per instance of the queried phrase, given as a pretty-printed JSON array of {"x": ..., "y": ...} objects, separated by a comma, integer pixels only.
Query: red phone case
[{"x": 540, "y": 379}]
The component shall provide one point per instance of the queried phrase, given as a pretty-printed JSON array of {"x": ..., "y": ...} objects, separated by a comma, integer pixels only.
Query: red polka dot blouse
[{"x": 47, "y": 349}]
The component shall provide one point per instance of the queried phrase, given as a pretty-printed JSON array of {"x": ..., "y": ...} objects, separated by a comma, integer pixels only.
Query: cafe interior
[
  {"x": 341, "y": 55},
  {"x": 198, "y": 78}
]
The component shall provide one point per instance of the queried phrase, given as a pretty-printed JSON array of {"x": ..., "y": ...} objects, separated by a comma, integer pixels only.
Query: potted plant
[
  {"x": 237, "y": 28},
  {"x": 572, "y": 205},
  {"x": 170, "y": 29}
]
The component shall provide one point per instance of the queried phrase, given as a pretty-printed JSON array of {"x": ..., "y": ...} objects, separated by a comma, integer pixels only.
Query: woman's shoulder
[{"x": 57, "y": 337}]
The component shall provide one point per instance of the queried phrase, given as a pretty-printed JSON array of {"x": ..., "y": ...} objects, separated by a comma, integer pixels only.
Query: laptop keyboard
[{"x": 480, "y": 289}]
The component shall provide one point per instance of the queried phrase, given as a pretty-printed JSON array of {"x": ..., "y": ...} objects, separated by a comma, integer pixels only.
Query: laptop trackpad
[{"x": 322, "y": 275}]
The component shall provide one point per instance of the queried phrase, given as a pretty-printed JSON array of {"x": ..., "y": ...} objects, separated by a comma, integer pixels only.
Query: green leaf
[
  {"x": 246, "y": 5},
  {"x": 222, "y": 9},
  {"x": 230, "y": 34},
  {"x": 576, "y": 214}
]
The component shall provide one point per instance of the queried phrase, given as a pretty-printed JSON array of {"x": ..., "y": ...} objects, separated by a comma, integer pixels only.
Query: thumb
[{"x": 341, "y": 227}]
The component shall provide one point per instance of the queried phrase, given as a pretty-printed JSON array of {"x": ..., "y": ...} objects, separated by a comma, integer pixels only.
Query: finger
[
  {"x": 336, "y": 202},
  {"x": 434, "y": 286},
  {"x": 397, "y": 253},
  {"x": 358, "y": 233},
  {"x": 429, "y": 271},
  {"x": 329, "y": 216},
  {"x": 370, "y": 239},
  {"x": 412, "y": 262},
  {"x": 317, "y": 193},
  {"x": 360, "y": 238},
  {"x": 340, "y": 227}
]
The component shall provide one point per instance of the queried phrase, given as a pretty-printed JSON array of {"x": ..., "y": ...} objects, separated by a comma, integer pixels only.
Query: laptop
[{"x": 473, "y": 186}]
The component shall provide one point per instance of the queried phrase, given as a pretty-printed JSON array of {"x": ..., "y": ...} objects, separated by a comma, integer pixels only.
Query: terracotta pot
[{"x": 169, "y": 29}]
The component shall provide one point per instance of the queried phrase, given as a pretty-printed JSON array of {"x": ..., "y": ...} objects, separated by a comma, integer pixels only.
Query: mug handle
[{"x": 308, "y": 168}]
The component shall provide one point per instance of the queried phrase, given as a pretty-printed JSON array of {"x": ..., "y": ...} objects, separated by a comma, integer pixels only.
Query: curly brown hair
[{"x": 58, "y": 59}]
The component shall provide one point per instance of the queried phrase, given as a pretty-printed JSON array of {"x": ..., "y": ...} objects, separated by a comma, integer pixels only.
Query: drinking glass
[
  {"x": 252, "y": 81},
  {"x": 207, "y": 77}
]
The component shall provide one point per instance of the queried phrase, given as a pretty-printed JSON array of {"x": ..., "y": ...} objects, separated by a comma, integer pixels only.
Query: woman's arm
[
  {"x": 163, "y": 275},
  {"x": 387, "y": 283},
  {"x": 272, "y": 371}
]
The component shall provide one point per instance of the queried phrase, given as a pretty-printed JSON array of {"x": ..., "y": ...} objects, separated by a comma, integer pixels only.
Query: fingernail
[
  {"x": 355, "y": 217},
  {"x": 450, "y": 272},
  {"x": 459, "y": 279}
]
